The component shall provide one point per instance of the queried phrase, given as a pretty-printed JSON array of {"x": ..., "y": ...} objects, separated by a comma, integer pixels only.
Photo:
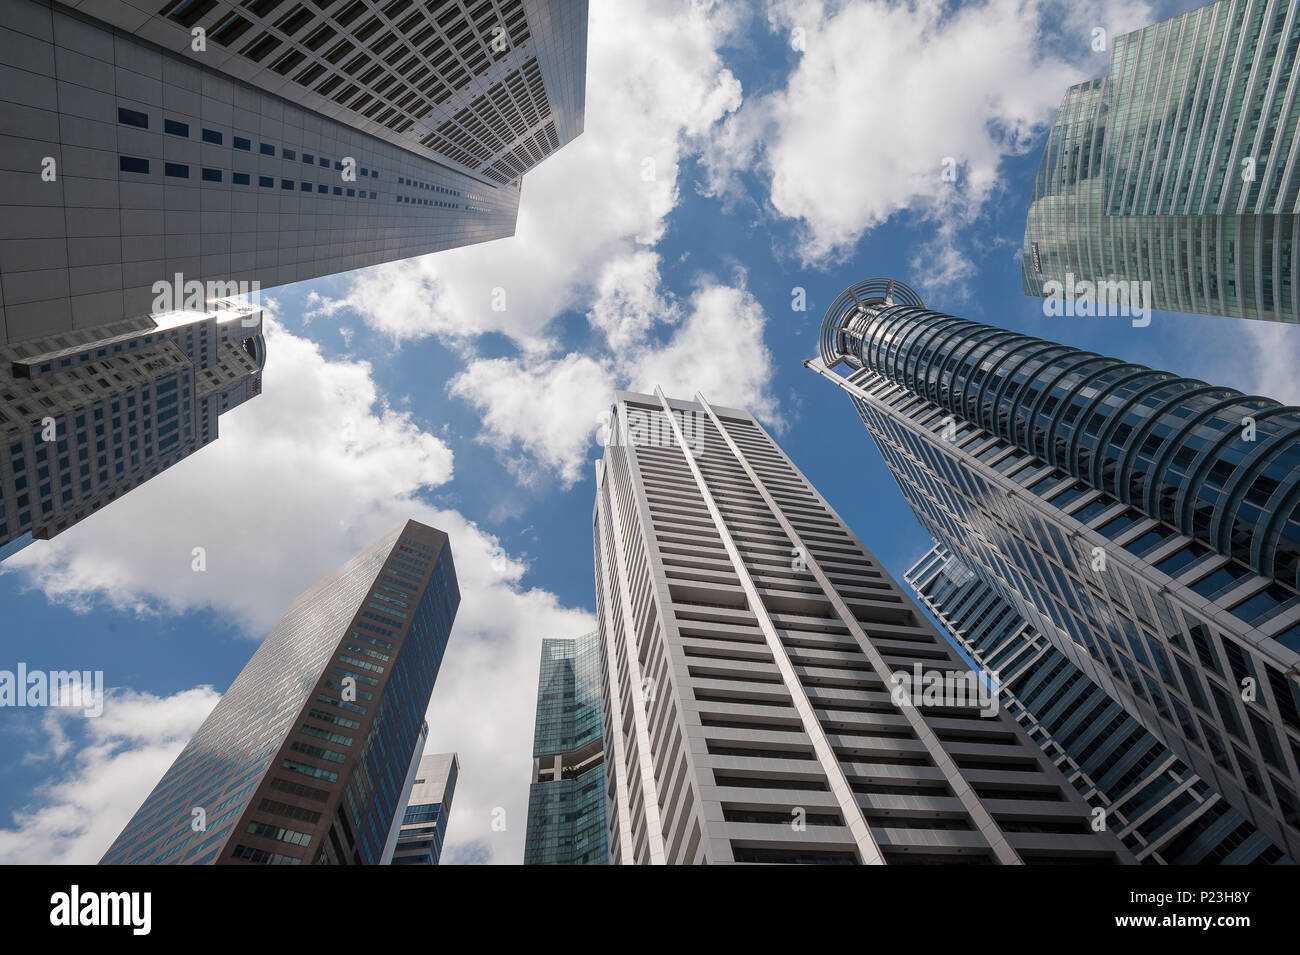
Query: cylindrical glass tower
[{"x": 1220, "y": 466}]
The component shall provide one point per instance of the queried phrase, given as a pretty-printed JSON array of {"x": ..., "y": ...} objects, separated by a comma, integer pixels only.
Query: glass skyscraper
[
  {"x": 1161, "y": 810},
  {"x": 88, "y": 415},
  {"x": 304, "y": 759},
  {"x": 1180, "y": 168},
  {"x": 1147, "y": 525},
  {"x": 566, "y": 801},
  {"x": 762, "y": 676},
  {"x": 428, "y": 809}
]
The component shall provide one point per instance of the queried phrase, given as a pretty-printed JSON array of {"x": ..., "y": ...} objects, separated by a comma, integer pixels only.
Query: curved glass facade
[
  {"x": 1177, "y": 169},
  {"x": 1220, "y": 466}
]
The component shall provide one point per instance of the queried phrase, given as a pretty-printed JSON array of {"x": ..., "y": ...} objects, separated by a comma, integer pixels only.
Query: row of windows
[
  {"x": 182, "y": 171},
  {"x": 131, "y": 117}
]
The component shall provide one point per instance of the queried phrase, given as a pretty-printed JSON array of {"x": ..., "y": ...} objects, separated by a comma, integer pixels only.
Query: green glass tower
[
  {"x": 1178, "y": 169},
  {"x": 566, "y": 801}
]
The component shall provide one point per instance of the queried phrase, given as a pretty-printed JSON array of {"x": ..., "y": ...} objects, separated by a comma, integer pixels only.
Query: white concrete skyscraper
[
  {"x": 763, "y": 673},
  {"x": 269, "y": 141}
]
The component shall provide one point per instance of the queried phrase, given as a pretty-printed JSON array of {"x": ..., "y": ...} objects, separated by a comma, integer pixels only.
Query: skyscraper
[
  {"x": 1180, "y": 169},
  {"x": 88, "y": 415},
  {"x": 428, "y": 808},
  {"x": 1161, "y": 810},
  {"x": 263, "y": 142},
  {"x": 304, "y": 758},
  {"x": 1147, "y": 525},
  {"x": 763, "y": 675},
  {"x": 566, "y": 801}
]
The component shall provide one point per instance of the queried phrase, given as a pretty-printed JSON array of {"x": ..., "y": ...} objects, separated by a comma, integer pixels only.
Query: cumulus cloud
[
  {"x": 318, "y": 461},
  {"x": 656, "y": 85},
  {"x": 885, "y": 97},
  {"x": 322, "y": 466},
  {"x": 110, "y": 764},
  {"x": 545, "y": 411}
]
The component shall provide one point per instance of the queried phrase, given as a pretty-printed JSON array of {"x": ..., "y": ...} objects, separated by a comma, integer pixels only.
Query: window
[
  {"x": 230, "y": 29},
  {"x": 309, "y": 159},
  {"x": 189, "y": 12},
  {"x": 286, "y": 183},
  {"x": 322, "y": 189},
  {"x": 239, "y": 178},
  {"x": 131, "y": 117},
  {"x": 1182, "y": 558},
  {"x": 306, "y": 187},
  {"x": 290, "y": 154},
  {"x": 212, "y": 136},
  {"x": 266, "y": 182},
  {"x": 211, "y": 175},
  {"x": 132, "y": 164},
  {"x": 324, "y": 163},
  {"x": 267, "y": 149},
  {"x": 176, "y": 170},
  {"x": 242, "y": 143},
  {"x": 173, "y": 128}
]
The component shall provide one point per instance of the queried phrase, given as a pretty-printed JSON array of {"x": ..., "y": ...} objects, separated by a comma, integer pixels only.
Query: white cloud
[
  {"x": 544, "y": 411},
  {"x": 302, "y": 478},
  {"x": 317, "y": 463},
  {"x": 883, "y": 95},
  {"x": 122, "y": 755},
  {"x": 655, "y": 86}
]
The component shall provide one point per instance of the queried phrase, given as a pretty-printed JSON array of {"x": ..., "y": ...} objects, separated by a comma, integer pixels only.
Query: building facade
[
  {"x": 88, "y": 415},
  {"x": 1159, "y": 808},
  {"x": 1179, "y": 171},
  {"x": 428, "y": 809},
  {"x": 566, "y": 800},
  {"x": 304, "y": 758},
  {"x": 1147, "y": 525},
  {"x": 763, "y": 675},
  {"x": 256, "y": 144}
]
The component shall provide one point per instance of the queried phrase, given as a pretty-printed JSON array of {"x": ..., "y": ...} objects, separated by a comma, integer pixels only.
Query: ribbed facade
[
  {"x": 1158, "y": 807},
  {"x": 1220, "y": 466},
  {"x": 304, "y": 759},
  {"x": 87, "y": 416},
  {"x": 1180, "y": 167},
  {"x": 566, "y": 800},
  {"x": 1123, "y": 512},
  {"x": 752, "y": 652}
]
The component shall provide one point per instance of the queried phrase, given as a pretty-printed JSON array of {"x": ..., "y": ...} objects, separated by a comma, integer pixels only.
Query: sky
[{"x": 739, "y": 159}]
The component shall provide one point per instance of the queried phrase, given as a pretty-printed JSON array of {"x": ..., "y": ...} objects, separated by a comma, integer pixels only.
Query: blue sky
[{"x": 720, "y": 169}]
